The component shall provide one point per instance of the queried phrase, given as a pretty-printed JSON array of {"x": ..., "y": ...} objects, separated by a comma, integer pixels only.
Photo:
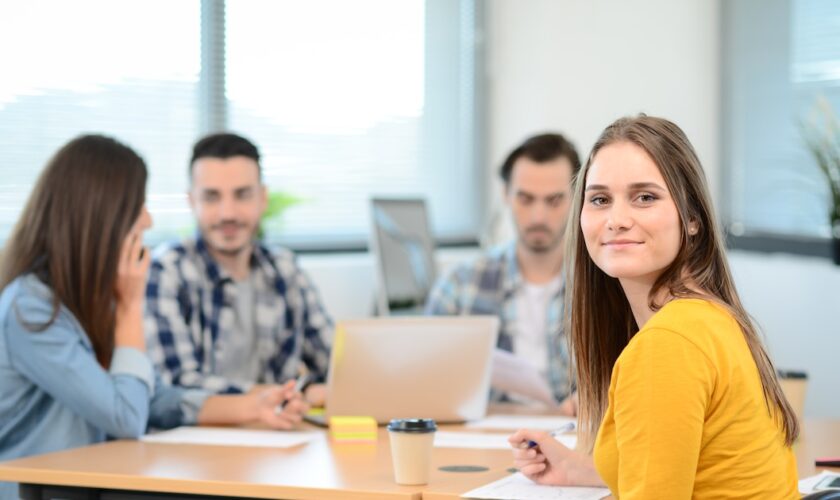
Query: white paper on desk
[
  {"x": 514, "y": 422},
  {"x": 809, "y": 484},
  {"x": 231, "y": 437},
  {"x": 514, "y": 374},
  {"x": 518, "y": 487},
  {"x": 486, "y": 441}
]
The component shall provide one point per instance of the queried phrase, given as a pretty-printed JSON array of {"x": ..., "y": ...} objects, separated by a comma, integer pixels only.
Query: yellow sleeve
[{"x": 662, "y": 387}]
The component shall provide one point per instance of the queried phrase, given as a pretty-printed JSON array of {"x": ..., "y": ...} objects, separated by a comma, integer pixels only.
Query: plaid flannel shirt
[
  {"x": 189, "y": 307},
  {"x": 489, "y": 286}
]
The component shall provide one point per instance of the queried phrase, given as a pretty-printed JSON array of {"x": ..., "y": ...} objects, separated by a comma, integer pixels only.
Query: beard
[
  {"x": 217, "y": 240},
  {"x": 545, "y": 244}
]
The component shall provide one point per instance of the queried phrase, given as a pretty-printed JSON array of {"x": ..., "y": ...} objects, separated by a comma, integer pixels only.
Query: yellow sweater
[{"x": 686, "y": 415}]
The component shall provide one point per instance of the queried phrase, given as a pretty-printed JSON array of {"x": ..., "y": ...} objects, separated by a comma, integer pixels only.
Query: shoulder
[
  {"x": 26, "y": 298},
  {"x": 179, "y": 261},
  {"x": 696, "y": 319},
  {"x": 27, "y": 304},
  {"x": 173, "y": 253},
  {"x": 688, "y": 326},
  {"x": 486, "y": 265},
  {"x": 281, "y": 258}
]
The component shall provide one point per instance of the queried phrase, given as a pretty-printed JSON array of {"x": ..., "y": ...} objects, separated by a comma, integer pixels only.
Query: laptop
[{"x": 412, "y": 367}]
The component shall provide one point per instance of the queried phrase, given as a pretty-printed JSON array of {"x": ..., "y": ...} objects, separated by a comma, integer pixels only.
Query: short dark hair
[
  {"x": 541, "y": 148},
  {"x": 225, "y": 145}
]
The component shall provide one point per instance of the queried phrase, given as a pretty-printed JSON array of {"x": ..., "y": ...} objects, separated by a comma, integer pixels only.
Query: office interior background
[{"x": 352, "y": 99}]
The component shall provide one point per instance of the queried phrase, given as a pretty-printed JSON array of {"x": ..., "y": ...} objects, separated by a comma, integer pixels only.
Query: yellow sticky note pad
[
  {"x": 353, "y": 429},
  {"x": 315, "y": 412}
]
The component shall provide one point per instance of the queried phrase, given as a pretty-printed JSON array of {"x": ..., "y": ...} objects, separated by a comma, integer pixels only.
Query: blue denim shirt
[{"x": 54, "y": 395}]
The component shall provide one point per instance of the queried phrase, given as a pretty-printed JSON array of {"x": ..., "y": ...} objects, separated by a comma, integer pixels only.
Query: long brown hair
[
  {"x": 72, "y": 229},
  {"x": 600, "y": 320}
]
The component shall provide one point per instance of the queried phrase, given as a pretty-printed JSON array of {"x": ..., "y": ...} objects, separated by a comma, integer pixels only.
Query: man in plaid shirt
[
  {"x": 522, "y": 282},
  {"x": 223, "y": 312}
]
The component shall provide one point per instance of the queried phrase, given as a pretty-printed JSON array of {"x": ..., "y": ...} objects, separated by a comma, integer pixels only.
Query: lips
[
  {"x": 229, "y": 230},
  {"x": 621, "y": 243}
]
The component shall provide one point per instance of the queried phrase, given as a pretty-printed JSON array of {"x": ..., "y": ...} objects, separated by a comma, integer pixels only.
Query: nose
[
  {"x": 538, "y": 213},
  {"x": 145, "y": 219},
  {"x": 620, "y": 217},
  {"x": 226, "y": 207}
]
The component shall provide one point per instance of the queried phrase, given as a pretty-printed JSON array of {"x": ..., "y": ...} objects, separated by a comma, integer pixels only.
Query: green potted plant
[
  {"x": 278, "y": 203},
  {"x": 822, "y": 138}
]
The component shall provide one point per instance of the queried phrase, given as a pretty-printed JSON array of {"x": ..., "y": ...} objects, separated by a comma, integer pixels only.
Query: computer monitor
[
  {"x": 403, "y": 249},
  {"x": 412, "y": 367}
]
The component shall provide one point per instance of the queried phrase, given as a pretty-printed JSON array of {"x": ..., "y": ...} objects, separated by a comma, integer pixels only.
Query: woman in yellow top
[{"x": 678, "y": 397}]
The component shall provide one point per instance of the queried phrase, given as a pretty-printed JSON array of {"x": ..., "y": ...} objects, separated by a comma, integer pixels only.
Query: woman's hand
[
  {"x": 130, "y": 291},
  {"x": 549, "y": 462},
  {"x": 132, "y": 270}
]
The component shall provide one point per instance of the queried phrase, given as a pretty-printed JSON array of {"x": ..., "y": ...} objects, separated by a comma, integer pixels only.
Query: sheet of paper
[
  {"x": 514, "y": 374},
  {"x": 231, "y": 437},
  {"x": 519, "y": 487},
  {"x": 810, "y": 484},
  {"x": 514, "y": 422},
  {"x": 486, "y": 441}
]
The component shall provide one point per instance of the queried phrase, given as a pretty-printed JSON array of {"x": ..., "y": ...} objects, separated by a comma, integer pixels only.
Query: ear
[
  {"x": 191, "y": 199},
  {"x": 263, "y": 197},
  {"x": 693, "y": 227},
  {"x": 506, "y": 193}
]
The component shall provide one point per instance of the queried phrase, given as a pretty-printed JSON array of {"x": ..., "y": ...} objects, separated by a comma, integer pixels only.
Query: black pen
[{"x": 300, "y": 383}]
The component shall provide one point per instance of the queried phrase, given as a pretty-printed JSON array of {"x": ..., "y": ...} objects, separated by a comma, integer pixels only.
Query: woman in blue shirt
[{"x": 73, "y": 367}]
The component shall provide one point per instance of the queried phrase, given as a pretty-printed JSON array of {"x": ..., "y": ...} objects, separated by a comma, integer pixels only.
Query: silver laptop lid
[{"x": 412, "y": 367}]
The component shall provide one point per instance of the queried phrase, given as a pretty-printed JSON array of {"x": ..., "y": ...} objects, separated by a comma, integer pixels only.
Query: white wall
[
  {"x": 577, "y": 65},
  {"x": 347, "y": 282},
  {"x": 796, "y": 303}
]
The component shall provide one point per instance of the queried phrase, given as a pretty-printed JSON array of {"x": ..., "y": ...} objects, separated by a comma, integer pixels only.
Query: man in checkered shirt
[
  {"x": 522, "y": 281},
  {"x": 223, "y": 311}
]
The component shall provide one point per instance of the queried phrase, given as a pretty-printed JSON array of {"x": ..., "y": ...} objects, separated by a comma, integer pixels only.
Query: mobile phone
[{"x": 829, "y": 483}]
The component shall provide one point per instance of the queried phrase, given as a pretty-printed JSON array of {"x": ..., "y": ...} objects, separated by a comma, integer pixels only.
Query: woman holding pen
[
  {"x": 678, "y": 397},
  {"x": 73, "y": 367}
]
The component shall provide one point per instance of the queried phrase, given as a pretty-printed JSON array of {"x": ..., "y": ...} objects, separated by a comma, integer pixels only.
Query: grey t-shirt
[{"x": 238, "y": 359}]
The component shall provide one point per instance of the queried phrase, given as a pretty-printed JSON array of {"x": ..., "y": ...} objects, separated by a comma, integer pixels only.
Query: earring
[{"x": 692, "y": 230}]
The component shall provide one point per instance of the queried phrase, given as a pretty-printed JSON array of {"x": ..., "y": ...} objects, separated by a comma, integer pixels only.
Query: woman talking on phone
[
  {"x": 73, "y": 367},
  {"x": 678, "y": 397}
]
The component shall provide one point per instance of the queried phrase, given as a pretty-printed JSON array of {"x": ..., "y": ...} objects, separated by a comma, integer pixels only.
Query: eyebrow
[
  {"x": 532, "y": 195},
  {"x": 237, "y": 189},
  {"x": 635, "y": 185}
]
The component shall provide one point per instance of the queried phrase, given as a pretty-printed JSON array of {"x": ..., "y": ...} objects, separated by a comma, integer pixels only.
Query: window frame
[
  {"x": 738, "y": 237},
  {"x": 213, "y": 116}
]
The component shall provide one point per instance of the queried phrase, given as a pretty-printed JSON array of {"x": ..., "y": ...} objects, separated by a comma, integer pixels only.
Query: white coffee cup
[
  {"x": 412, "y": 441},
  {"x": 794, "y": 384}
]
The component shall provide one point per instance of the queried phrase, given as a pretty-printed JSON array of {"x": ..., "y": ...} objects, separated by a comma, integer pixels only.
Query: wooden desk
[
  {"x": 318, "y": 470},
  {"x": 819, "y": 438}
]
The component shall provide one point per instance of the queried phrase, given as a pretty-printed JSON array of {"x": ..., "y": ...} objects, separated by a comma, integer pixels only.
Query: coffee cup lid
[
  {"x": 792, "y": 374},
  {"x": 415, "y": 425}
]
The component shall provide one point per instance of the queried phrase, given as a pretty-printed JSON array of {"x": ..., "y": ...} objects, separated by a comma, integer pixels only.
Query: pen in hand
[
  {"x": 300, "y": 384},
  {"x": 556, "y": 432}
]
